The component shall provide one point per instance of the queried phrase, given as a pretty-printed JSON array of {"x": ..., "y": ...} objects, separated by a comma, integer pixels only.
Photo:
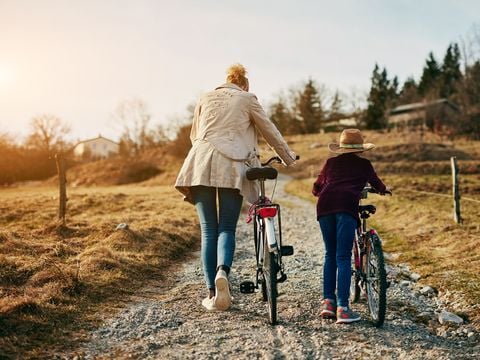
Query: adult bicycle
[
  {"x": 368, "y": 268},
  {"x": 267, "y": 231}
]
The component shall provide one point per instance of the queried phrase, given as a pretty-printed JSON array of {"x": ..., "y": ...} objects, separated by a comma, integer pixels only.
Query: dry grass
[{"x": 54, "y": 279}]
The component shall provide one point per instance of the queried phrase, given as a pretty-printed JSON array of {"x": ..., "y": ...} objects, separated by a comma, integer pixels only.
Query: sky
[{"x": 79, "y": 59}]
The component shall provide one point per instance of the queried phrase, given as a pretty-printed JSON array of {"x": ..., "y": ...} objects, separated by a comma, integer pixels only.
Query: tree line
[
  {"x": 310, "y": 109},
  {"x": 439, "y": 80},
  {"x": 34, "y": 157}
]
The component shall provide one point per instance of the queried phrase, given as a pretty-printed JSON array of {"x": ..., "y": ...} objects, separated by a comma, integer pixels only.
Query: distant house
[
  {"x": 432, "y": 114},
  {"x": 96, "y": 148},
  {"x": 341, "y": 121}
]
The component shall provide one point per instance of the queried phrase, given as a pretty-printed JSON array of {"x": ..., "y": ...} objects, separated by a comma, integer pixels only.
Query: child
[{"x": 338, "y": 188}]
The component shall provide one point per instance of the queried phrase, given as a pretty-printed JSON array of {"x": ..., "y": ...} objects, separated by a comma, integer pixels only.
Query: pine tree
[
  {"x": 382, "y": 93},
  {"x": 409, "y": 92},
  {"x": 309, "y": 109},
  {"x": 431, "y": 77},
  {"x": 282, "y": 117},
  {"x": 472, "y": 86},
  {"x": 469, "y": 99},
  {"x": 392, "y": 92},
  {"x": 335, "y": 111},
  {"x": 451, "y": 73}
]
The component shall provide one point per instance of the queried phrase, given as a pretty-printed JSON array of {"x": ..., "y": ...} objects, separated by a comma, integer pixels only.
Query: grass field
[{"x": 55, "y": 280}]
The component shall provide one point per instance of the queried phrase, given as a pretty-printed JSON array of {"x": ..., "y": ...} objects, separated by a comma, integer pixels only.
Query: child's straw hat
[{"x": 351, "y": 140}]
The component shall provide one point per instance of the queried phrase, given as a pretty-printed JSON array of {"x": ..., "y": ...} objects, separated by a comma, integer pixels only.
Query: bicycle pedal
[
  {"x": 287, "y": 250},
  {"x": 282, "y": 278},
  {"x": 247, "y": 287}
]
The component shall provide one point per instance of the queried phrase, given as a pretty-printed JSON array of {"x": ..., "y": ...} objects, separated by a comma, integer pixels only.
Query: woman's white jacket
[{"x": 224, "y": 138}]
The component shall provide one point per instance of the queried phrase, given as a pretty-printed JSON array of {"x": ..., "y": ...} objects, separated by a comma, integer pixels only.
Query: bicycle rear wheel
[
  {"x": 376, "y": 280},
  {"x": 269, "y": 285},
  {"x": 355, "y": 282}
]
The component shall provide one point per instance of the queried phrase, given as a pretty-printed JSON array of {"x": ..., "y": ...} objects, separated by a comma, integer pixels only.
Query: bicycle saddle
[{"x": 262, "y": 173}]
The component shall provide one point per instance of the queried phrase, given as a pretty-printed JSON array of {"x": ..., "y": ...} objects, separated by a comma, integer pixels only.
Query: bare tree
[
  {"x": 134, "y": 118},
  {"x": 47, "y": 133},
  {"x": 470, "y": 46},
  {"x": 356, "y": 103}
]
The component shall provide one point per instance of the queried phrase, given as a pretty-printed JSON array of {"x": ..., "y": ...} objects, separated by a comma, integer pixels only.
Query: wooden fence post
[
  {"x": 456, "y": 192},
  {"x": 62, "y": 181}
]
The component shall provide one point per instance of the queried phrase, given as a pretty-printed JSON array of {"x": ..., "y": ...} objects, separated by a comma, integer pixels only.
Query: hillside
[
  {"x": 155, "y": 163},
  {"x": 396, "y": 153}
]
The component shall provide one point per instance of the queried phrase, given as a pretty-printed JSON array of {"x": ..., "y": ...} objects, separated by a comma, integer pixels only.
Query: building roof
[
  {"x": 96, "y": 138},
  {"x": 421, "y": 105}
]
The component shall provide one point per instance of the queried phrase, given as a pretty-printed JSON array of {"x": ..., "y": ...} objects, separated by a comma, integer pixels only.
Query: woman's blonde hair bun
[{"x": 237, "y": 74}]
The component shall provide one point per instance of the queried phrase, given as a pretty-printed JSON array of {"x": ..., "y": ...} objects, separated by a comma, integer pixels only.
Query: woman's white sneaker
[
  {"x": 208, "y": 303},
  {"x": 222, "y": 299}
]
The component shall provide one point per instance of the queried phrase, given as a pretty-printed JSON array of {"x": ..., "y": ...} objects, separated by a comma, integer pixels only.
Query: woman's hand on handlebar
[{"x": 277, "y": 160}]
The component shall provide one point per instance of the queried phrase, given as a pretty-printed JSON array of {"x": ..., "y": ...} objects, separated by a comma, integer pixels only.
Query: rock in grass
[
  {"x": 122, "y": 226},
  {"x": 427, "y": 290},
  {"x": 415, "y": 277},
  {"x": 446, "y": 317}
]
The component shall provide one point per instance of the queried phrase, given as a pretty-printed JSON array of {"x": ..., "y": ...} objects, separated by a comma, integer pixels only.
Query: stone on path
[{"x": 446, "y": 317}]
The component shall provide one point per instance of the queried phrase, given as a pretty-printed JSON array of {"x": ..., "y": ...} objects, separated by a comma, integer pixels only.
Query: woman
[
  {"x": 224, "y": 143},
  {"x": 338, "y": 188}
]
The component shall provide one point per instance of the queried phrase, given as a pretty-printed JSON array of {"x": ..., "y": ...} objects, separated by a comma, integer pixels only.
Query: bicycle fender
[{"x": 270, "y": 232}]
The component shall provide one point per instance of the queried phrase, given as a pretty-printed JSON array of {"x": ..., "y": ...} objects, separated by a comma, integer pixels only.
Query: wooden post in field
[
  {"x": 456, "y": 192},
  {"x": 62, "y": 185}
]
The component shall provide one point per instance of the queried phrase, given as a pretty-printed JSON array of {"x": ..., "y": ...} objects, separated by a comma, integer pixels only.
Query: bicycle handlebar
[{"x": 277, "y": 160}]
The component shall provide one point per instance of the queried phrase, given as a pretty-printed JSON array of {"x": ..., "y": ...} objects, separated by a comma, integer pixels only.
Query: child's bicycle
[
  {"x": 267, "y": 230},
  {"x": 368, "y": 268}
]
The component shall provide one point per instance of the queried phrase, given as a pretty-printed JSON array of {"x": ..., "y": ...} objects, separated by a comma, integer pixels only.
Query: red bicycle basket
[{"x": 267, "y": 212}]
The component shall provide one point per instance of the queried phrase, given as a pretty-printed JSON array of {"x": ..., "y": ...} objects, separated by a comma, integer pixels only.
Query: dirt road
[{"x": 168, "y": 321}]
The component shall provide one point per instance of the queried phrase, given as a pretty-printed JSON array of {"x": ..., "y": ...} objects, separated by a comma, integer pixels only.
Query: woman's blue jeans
[
  {"x": 218, "y": 231},
  {"x": 338, "y": 231}
]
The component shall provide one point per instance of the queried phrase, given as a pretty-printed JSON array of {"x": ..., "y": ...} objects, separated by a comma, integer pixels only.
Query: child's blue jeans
[
  {"x": 218, "y": 231},
  {"x": 338, "y": 231}
]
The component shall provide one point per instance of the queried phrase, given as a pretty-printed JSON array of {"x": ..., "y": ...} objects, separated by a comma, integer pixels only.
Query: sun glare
[{"x": 6, "y": 76}]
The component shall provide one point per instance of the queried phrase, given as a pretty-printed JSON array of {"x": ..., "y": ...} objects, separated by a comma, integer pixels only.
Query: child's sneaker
[
  {"x": 328, "y": 308},
  {"x": 345, "y": 315}
]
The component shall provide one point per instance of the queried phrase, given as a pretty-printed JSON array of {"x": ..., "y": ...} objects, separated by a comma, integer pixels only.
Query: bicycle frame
[{"x": 267, "y": 229}]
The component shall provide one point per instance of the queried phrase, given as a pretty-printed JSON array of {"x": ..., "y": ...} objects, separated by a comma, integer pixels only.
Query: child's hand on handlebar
[{"x": 387, "y": 192}]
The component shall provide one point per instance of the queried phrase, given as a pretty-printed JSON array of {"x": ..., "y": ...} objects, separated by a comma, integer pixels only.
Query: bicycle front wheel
[
  {"x": 270, "y": 282},
  {"x": 376, "y": 280}
]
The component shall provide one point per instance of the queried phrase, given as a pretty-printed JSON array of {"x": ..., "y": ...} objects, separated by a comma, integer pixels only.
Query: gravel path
[{"x": 169, "y": 322}]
